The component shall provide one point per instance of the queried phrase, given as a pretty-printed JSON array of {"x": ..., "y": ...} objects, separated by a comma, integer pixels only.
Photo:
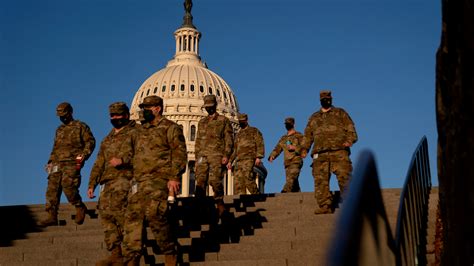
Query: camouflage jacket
[
  {"x": 329, "y": 130},
  {"x": 215, "y": 137},
  {"x": 158, "y": 151},
  {"x": 113, "y": 145},
  {"x": 290, "y": 156},
  {"x": 248, "y": 144},
  {"x": 71, "y": 140}
]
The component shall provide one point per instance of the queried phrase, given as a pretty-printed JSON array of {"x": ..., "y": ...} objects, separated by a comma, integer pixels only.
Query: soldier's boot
[
  {"x": 115, "y": 258},
  {"x": 171, "y": 260},
  {"x": 80, "y": 214},
  {"x": 52, "y": 219},
  {"x": 133, "y": 261},
  {"x": 325, "y": 209}
]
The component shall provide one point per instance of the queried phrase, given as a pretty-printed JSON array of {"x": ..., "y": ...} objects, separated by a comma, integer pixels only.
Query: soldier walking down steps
[
  {"x": 213, "y": 148},
  {"x": 113, "y": 172},
  {"x": 290, "y": 144},
  {"x": 332, "y": 131},
  {"x": 159, "y": 159},
  {"x": 248, "y": 152},
  {"x": 73, "y": 144}
]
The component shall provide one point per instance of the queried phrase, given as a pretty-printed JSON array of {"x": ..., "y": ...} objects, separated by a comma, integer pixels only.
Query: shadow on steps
[
  {"x": 15, "y": 223},
  {"x": 198, "y": 223}
]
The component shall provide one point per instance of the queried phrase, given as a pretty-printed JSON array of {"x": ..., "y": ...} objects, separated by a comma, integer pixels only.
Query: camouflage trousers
[
  {"x": 210, "y": 170},
  {"x": 292, "y": 173},
  {"x": 337, "y": 162},
  {"x": 112, "y": 206},
  {"x": 64, "y": 178},
  {"x": 147, "y": 202},
  {"x": 244, "y": 176}
]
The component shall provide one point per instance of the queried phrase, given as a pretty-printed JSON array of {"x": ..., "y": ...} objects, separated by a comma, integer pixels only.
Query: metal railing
[
  {"x": 412, "y": 220},
  {"x": 363, "y": 235}
]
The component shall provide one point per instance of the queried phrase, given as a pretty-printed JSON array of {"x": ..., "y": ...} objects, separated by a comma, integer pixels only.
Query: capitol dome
[{"x": 182, "y": 84}]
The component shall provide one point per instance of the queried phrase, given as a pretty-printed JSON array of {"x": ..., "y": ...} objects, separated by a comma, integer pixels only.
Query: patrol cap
[
  {"x": 63, "y": 109},
  {"x": 151, "y": 101},
  {"x": 290, "y": 120},
  {"x": 119, "y": 108},
  {"x": 325, "y": 94},
  {"x": 210, "y": 100},
  {"x": 242, "y": 117}
]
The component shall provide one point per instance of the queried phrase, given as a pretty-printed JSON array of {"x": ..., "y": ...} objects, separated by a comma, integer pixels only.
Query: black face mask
[
  {"x": 243, "y": 124},
  {"x": 211, "y": 110},
  {"x": 326, "y": 103},
  {"x": 119, "y": 122},
  {"x": 148, "y": 115},
  {"x": 288, "y": 126},
  {"x": 65, "y": 119}
]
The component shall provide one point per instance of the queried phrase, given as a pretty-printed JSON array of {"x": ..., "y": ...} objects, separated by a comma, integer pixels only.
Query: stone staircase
[{"x": 269, "y": 229}]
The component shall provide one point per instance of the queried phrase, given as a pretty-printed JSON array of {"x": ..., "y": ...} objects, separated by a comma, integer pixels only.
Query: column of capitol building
[{"x": 182, "y": 84}]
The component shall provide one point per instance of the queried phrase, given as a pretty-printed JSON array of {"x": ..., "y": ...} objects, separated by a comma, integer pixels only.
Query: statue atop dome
[{"x": 188, "y": 18}]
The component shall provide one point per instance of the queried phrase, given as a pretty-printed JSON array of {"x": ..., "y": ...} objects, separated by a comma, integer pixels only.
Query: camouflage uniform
[
  {"x": 71, "y": 140},
  {"x": 328, "y": 131},
  {"x": 292, "y": 160},
  {"x": 248, "y": 146},
  {"x": 159, "y": 155},
  {"x": 214, "y": 141},
  {"x": 114, "y": 181}
]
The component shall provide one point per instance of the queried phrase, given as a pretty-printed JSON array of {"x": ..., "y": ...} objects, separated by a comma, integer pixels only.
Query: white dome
[
  {"x": 183, "y": 87},
  {"x": 185, "y": 81}
]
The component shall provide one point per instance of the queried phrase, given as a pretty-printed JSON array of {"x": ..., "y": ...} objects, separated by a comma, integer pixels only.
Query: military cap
[
  {"x": 210, "y": 100},
  {"x": 120, "y": 108},
  {"x": 290, "y": 120},
  {"x": 242, "y": 117},
  {"x": 325, "y": 94},
  {"x": 151, "y": 101},
  {"x": 63, "y": 109}
]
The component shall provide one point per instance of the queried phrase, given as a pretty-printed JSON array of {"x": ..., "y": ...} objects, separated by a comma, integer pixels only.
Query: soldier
[
  {"x": 73, "y": 144},
  {"x": 248, "y": 151},
  {"x": 159, "y": 159},
  {"x": 333, "y": 133},
  {"x": 213, "y": 148},
  {"x": 290, "y": 145},
  {"x": 114, "y": 175}
]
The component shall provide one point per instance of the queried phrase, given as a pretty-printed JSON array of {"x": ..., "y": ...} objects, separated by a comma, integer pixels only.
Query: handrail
[
  {"x": 363, "y": 235},
  {"x": 413, "y": 210}
]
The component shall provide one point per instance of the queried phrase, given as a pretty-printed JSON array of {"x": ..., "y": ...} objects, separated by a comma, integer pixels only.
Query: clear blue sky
[{"x": 377, "y": 56}]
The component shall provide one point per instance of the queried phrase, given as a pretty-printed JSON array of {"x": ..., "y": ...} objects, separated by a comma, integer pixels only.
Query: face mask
[
  {"x": 326, "y": 103},
  {"x": 288, "y": 126},
  {"x": 243, "y": 124},
  {"x": 65, "y": 119},
  {"x": 148, "y": 115},
  {"x": 119, "y": 122},
  {"x": 211, "y": 110}
]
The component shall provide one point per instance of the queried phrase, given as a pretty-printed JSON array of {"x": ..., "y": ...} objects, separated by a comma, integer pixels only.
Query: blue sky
[{"x": 377, "y": 56}]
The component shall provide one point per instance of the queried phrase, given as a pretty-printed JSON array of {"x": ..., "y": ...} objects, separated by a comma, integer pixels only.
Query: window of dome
[
  {"x": 192, "y": 87},
  {"x": 218, "y": 92},
  {"x": 141, "y": 96},
  {"x": 163, "y": 88},
  {"x": 210, "y": 90},
  {"x": 225, "y": 95},
  {"x": 201, "y": 88},
  {"x": 172, "y": 87},
  {"x": 182, "y": 87},
  {"x": 193, "y": 133},
  {"x": 155, "y": 89},
  {"x": 148, "y": 92}
]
